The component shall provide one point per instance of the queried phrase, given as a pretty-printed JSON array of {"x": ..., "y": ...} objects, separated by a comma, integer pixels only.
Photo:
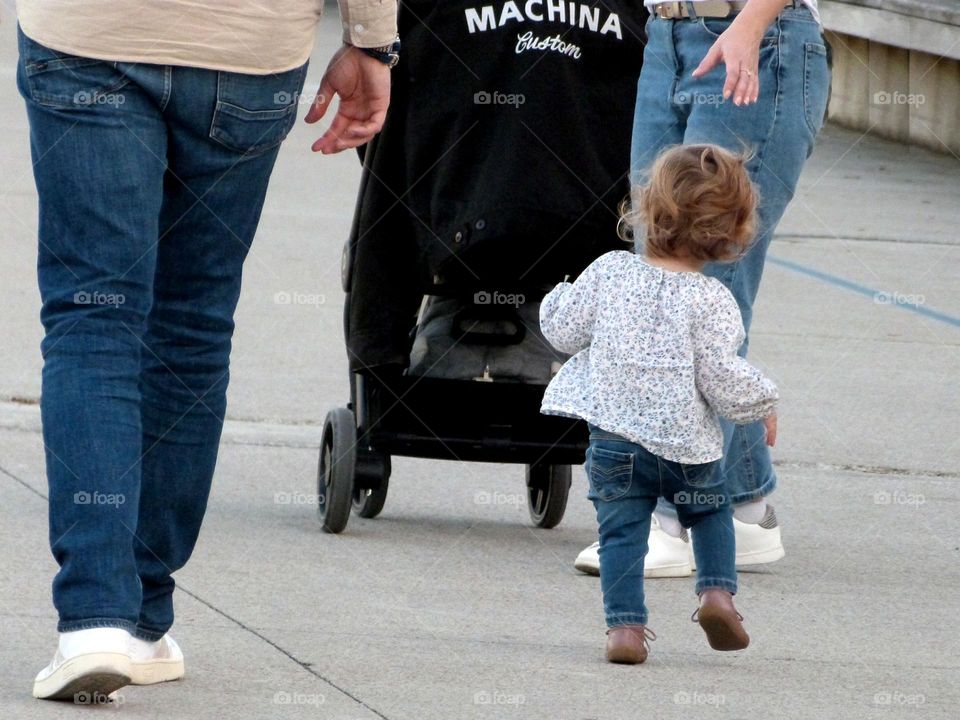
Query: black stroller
[{"x": 498, "y": 173}]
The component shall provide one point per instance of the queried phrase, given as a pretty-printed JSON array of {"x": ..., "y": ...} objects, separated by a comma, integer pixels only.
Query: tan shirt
[{"x": 249, "y": 36}]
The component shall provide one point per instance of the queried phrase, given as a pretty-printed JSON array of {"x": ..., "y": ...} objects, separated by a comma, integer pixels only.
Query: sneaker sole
[
  {"x": 156, "y": 671},
  {"x": 587, "y": 567},
  {"x": 668, "y": 571},
  {"x": 761, "y": 557},
  {"x": 86, "y": 679}
]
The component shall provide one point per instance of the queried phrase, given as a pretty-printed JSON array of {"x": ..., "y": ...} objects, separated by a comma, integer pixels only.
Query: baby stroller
[{"x": 498, "y": 173}]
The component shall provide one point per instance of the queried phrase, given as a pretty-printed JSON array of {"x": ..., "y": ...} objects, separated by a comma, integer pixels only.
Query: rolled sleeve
[{"x": 369, "y": 23}]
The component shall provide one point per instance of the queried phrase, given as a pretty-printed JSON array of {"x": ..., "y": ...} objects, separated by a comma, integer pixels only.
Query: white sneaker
[
  {"x": 588, "y": 561},
  {"x": 760, "y": 543},
  {"x": 155, "y": 662},
  {"x": 667, "y": 556},
  {"x": 88, "y": 666}
]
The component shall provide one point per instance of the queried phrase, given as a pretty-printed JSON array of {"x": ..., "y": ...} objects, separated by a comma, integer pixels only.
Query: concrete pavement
[{"x": 448, "y": 606}]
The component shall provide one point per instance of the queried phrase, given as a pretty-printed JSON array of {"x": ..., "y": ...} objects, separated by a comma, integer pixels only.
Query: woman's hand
[{"x": 739, "y": 49}]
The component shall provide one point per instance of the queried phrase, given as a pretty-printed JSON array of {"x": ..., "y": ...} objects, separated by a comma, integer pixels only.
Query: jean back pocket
[
  {"x": 610, "y": 473},
  {"x": 65, "y": 81},
  {"x": 255, "y": 113}
]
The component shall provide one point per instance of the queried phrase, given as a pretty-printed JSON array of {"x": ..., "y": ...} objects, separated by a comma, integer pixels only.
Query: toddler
[{"x": 654, "y": 346}]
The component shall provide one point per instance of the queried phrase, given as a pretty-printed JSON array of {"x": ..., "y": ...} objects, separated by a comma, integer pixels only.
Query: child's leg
[
  {"x": 714, "y": 549},
  {"x": 703, "y": 506},
  {"x": 624, "y": 497},
  {"x": 624, "y": 528}
]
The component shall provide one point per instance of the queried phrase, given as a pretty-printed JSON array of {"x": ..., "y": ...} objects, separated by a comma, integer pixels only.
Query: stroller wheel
[
  {"x": 370, "y": 484},
  {"x": 335, "y": 472},
  {"x": 548, "y": 487}
]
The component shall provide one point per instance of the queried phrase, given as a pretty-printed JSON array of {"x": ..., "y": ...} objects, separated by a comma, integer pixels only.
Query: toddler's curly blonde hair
[{"x": 699, "y": 204}]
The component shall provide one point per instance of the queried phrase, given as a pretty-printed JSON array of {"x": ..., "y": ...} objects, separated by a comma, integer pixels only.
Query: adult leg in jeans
[
  {"x": 213, "y": 197},
  {"x": 99, "y": 171},
  {"x": 780, "y": 129}
]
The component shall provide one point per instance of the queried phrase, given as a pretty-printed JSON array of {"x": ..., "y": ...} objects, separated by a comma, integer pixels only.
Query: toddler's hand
[{"x": 770, "y": 425}]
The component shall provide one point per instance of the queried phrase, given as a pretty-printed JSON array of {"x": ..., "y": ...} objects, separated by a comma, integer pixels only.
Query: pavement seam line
[{"x": 235, "y": 621}]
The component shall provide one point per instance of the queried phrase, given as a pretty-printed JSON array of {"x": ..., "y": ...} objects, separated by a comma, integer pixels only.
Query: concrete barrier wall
[{"x": 895, "y": 75}]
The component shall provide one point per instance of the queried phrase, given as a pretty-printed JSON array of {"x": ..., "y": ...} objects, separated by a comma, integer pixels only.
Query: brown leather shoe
[
  {"x": 721, "y": 621},
  {"x": 628, "y": 644}
]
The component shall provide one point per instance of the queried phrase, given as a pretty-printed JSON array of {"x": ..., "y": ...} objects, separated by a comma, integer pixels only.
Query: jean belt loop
[{"x": 691, "y": 10}]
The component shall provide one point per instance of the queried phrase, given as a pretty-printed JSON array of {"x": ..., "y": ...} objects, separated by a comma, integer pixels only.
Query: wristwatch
[{"x": 389, "y": 55}]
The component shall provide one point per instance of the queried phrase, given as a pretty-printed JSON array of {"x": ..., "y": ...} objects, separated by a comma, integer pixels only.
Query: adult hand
[
  {"x": 363, "y": 84},
  {"x": 770, "y": 425},
  {"x": 739, "y": 49}
]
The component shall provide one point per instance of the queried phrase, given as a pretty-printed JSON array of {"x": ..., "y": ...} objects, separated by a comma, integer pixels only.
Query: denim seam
[
  {"x": 147, "y": 634},
  {"x": 626, "y": 619},
  {"x": 711, "y": 583},
  {"x": 167, "y": 87},
  {"x": 98, "y": 622}
]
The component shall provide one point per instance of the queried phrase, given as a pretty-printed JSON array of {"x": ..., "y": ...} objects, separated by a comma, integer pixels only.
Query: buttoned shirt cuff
[{"x": 369, "y": 23}]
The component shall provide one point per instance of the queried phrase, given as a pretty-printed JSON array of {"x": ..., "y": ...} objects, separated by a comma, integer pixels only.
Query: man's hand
[
  {"x": 770, "y": 425},
  {"x": 363, "y": 84}
]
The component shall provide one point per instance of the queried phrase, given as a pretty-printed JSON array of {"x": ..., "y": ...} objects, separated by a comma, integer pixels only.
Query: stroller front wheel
[
  {"x": 336, "y": 469},
  {"x": 548, "y": 487}
]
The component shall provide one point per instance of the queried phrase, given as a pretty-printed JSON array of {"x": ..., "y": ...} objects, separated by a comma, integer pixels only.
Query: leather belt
[{"x": 707, "y": 9}]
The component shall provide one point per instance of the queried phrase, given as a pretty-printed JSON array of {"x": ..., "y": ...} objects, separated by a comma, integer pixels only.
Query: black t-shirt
[{"x": 506, "y": 149}]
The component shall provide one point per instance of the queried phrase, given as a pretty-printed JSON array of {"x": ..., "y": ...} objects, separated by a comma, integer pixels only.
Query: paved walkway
[{"x": 448, "y": 606}]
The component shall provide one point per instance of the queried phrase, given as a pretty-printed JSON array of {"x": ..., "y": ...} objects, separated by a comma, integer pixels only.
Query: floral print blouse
[{"x": 654, "y": 357}]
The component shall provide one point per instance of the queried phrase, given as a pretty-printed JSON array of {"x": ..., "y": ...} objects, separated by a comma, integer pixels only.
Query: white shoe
[
  {"x": 88, "y": 666},
  {"x": 758, "y": 543},
  {"x": 588, "y": 561},
  {"x": 155, "y": 662},
  {"x": 667, "y": 556}
]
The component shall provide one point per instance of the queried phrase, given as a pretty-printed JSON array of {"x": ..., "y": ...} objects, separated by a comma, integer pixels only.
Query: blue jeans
[
  {"x": 626, "y": 480},
  {"x": 673, "y": 108},
  {"x": 151, "y": 181}
]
